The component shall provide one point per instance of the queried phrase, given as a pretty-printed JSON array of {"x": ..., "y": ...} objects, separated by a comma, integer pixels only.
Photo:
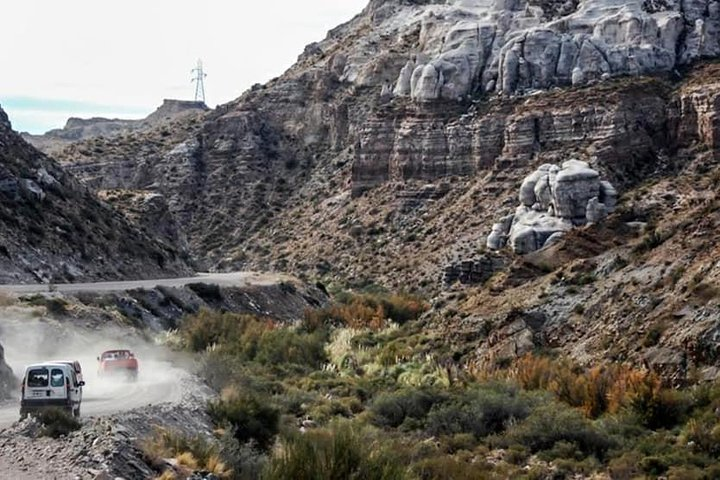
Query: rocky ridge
[
  {"x": 55, "y": 230},
  {"x": 77, "y": 129}
]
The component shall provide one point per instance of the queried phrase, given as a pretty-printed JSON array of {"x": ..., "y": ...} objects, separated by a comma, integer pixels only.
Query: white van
[{"x": 51, "y": 385}]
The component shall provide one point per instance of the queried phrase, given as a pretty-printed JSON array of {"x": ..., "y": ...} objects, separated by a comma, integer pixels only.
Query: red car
[{"x": 118, "y": 362}]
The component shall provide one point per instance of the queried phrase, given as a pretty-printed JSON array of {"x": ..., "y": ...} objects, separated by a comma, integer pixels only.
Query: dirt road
[
  {"x": 27, "y": 341},
  {"x": 233, "y": 279}
]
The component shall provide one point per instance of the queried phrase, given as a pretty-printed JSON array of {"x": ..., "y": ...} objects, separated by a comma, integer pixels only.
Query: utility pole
[{"x": 199, "y": 80}]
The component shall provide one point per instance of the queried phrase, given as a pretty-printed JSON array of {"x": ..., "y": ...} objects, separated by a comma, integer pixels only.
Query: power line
[{"x": 199, "y": 80}]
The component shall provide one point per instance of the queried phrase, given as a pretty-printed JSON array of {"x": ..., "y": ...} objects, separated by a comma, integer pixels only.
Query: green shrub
[
  {"x": 650, "y": 241},
  {"x": 481, "y": 412},
  {"x": 448, "y": 467},
  {"x": 553, "y": 423},
  {"x": 341, "y": 452},
  {"x": 653, "y": 335},
  {"x": 253, "y": 339},
  {"x": 207, "y": 328},
  {"x": 253, "y": 418},
  {"x": 245, "y": 461},
  {"x": 657, "y": 407},
  {"x": 704, "y": 433},
  {"x": 391, "y": 409},
  {"x": 288, "y": 346},
  {"x": 653, "y": 465},
  {"x": 56, "y": 422},
  {"x": 56, "y": 306}
]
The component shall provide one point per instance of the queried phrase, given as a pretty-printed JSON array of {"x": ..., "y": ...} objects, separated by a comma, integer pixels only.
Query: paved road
[{"x": 222, "y": 279}]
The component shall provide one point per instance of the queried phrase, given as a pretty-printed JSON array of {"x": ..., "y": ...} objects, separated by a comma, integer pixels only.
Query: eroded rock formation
[
  {"x": 553, "y": 200},
  {"x": 466, "y": 46}
]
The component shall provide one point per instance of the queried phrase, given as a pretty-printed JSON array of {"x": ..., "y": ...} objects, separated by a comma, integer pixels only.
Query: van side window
[
  {"x": 57, "y": 378},
  {"x": 37, "y": 378}
]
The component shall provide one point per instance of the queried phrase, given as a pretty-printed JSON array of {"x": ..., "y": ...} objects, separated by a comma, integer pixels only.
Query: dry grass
[
  {"x": 167, "y": 475},
  {"x": 190, "y": 454},
  {"x": 187, "y": 460}
]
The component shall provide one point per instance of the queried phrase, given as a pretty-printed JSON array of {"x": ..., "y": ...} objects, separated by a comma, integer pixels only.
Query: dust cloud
[{"x": 30, "y": 340}]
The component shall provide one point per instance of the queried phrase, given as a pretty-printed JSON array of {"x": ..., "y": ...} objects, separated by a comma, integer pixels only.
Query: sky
[{"x": 121, "y": 58}]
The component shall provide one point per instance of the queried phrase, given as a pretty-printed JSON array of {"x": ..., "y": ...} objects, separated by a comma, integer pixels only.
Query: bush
[
  {"x": 252, "y": 339},
  {"x": 366, "y": 311},
  {"x": 704, "y": 433},
  {"x": 655, "y": 406},
  {"x": 207, "y": 328},
  {"x": 553, "y": 423},
  {"x": 245, "y": 460},
  {"x": 601, "y": 389},
  {"x": 252, "y": 417},
  {"x": 391, "y": 409},
  {"x": 56, "y": 422},
  {"x": 650, "y": 241},
  {"x": 288, "y": 346},
  {"x": 341, "y": 452},
  {"x": 447, "y": 467},
  {"x": 481, "y": 412}
]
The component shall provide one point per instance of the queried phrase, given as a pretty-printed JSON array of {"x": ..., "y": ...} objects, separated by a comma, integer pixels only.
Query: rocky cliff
[{"x": 55, "y": 230}]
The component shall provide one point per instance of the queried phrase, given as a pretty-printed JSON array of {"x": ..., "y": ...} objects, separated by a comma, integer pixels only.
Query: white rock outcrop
[
  {"x": 553, "y": 199},
  {"x": 508, "y": 46}
]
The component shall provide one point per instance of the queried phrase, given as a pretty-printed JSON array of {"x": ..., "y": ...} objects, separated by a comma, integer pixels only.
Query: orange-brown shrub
[
  {"x": 595, "y": 391},
  {"x": 366, "y": 311}
]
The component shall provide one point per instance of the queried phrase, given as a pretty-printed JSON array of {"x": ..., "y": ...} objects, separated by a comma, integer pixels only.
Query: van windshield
[
  {"x": 38, "y": 377},
  {"x": 57, "y": 378}
]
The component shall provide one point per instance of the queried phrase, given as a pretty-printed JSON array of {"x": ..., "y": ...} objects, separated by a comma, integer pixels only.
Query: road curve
[{"x": 233, "y": 279}]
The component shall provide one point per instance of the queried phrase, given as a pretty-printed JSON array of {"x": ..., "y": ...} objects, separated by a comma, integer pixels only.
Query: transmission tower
[{"x": 199, "y": 80}]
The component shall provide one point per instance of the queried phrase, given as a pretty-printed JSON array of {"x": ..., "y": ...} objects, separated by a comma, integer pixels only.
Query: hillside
[
  {"x": 53, "y": 229},
  {"x": 360, "y": 167},
  {"x": 503, "y": 218}
]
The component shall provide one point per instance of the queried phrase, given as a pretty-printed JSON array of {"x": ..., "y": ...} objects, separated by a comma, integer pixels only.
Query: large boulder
[{"x": 553, "y": 199}]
